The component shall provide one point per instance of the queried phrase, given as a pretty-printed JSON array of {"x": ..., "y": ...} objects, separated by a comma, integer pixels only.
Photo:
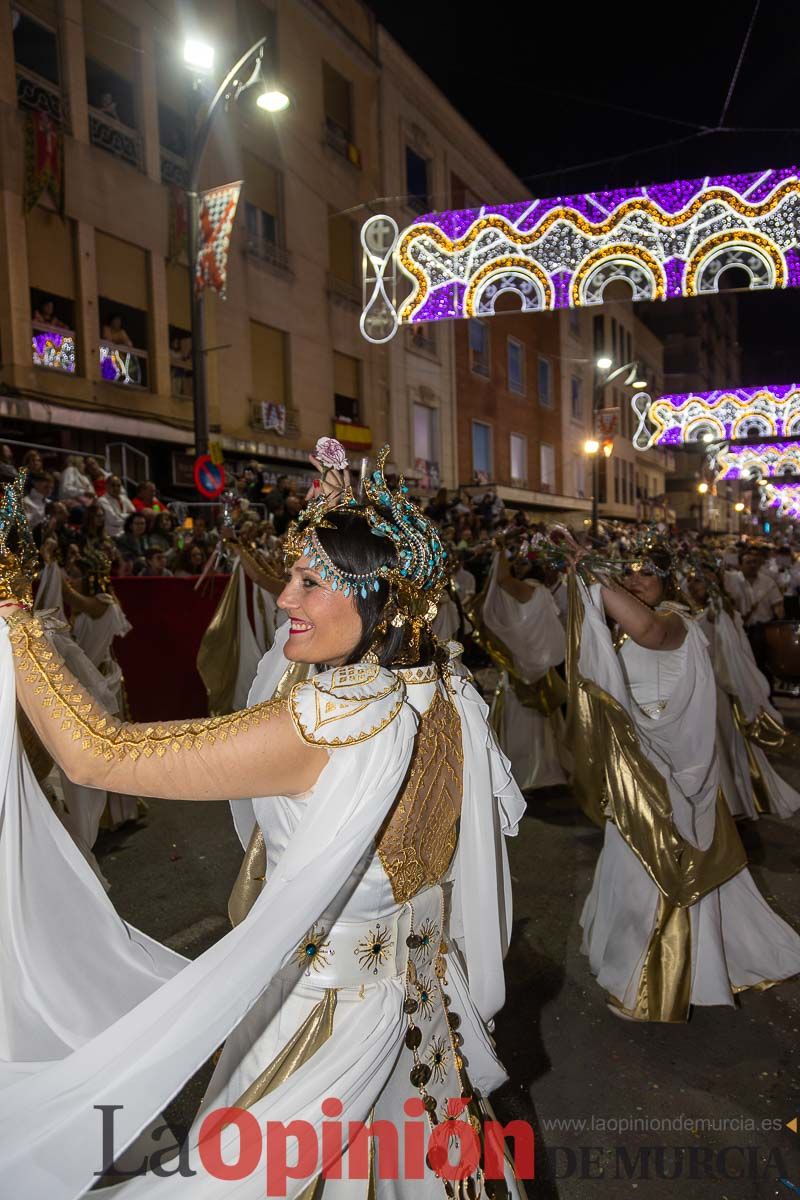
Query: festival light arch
[{"x": 665, "y": 241}]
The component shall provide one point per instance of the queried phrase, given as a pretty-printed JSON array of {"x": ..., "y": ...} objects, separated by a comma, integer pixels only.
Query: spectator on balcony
[
  {"x": 32, "y": 463},
  {"x": 98, "y": 476},
  {"x": 114, "y": 331},
  {"x": 133, "y": 542},
  {"x": 116, "y": 505},
  {"x": 75, "y": 486},
  {"x": 108, "y": 106},
  {"x": 46, "y": 315},
  {"x": 155, "y": 563},
  {"x": 145, "y": 501},
  {"x": 42, "y": 484}
]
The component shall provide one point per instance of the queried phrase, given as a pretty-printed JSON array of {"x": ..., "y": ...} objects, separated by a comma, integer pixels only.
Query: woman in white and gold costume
[
  {"x": 519, "y": 627},
  {"x": 373, "y": 906},
  {"x": 748, "y": 724},
  {"x": 673, "y": 917}
]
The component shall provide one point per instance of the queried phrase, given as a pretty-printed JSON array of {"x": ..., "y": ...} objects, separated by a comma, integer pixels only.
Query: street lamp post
[
  {"x": 231, "y": 88},
  {"x": 601, "y": 382}
]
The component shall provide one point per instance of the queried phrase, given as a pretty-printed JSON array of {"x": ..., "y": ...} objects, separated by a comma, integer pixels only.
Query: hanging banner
[
  {"x": 215, "y": 222},
  {"x": 44, "y": 160}
]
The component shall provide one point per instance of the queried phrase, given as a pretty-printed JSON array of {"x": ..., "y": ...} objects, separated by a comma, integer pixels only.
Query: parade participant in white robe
[
  {"x": 673, "y": 918},
  {"x": 748, "y": 724},
  {"x": 521, "y": 616},
  {"x": 268, "y": 583},
  {"x": 385, "y": 882}
]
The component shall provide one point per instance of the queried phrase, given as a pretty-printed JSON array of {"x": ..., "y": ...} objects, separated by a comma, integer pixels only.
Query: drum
[{"x": 782, "y": 653}]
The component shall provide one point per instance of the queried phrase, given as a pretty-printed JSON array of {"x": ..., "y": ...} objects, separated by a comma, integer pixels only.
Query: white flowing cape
[
  {"x": 157, "y": 1023},
  {"x": 679, "y": 746}
]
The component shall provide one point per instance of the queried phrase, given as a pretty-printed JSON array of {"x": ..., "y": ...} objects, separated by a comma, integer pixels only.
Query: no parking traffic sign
[{"x": 209, "y": 477}]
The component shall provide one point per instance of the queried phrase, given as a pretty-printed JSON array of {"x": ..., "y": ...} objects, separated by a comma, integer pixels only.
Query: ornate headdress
[
  {"x": 417, "y": 577},
  {"x": 19, "y": 557}
]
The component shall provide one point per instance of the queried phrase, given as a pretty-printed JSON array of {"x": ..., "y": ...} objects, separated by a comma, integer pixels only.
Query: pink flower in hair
[{"x": 331, "y": 453}]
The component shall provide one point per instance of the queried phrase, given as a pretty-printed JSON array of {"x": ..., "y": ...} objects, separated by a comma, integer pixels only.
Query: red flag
[
  {"x": 44, "y": 160},
  {"x": 215, "y": 221}
]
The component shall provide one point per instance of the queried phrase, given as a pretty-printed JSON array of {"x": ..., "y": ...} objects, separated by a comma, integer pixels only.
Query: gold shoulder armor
[{"x": 346, "y": 705}]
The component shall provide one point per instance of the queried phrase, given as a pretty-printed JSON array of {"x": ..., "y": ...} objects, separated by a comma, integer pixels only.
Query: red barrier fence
[{"x": 159, "y": 655}]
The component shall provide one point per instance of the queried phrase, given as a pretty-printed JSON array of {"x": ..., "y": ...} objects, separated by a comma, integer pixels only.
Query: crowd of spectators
[{"x": 83, "y": 511}]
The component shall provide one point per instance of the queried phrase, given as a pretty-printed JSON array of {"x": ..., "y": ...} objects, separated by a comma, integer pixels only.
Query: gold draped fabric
[
  {"x": 771, "y": 737},
  {"x": 302, "y": 1045},
  {"x": 546, "y": 695},
  {"x": 615, "y": 779},
  {"x": 218, "y": 656},
  {"x": 419, "y": 837}
]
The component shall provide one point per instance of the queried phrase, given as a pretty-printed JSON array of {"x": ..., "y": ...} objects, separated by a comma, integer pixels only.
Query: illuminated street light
[
  {"x": 639, "y": 383},
  {"x": 273, "y": 100},
  {"x": 708, "y": 437},
  {"x": 198, "y": 54},
  {"x": 591, "y": 446},
  {"x": 738, "y": 506},
  {"x": 605, "y": 363},
  {"x": 608, "y": 447},
  {"x": 702, "y": 488}
]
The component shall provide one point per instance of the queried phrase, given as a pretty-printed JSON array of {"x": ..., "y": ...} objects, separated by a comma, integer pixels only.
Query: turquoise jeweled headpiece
[{"x": 418, "y": 576}]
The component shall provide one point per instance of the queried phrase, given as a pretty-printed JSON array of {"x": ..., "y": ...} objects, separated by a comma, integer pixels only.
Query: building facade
[{"x": 285, "y": 361}]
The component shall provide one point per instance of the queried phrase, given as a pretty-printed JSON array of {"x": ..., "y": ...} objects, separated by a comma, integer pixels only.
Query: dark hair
[
  {"x": 662, "y": 559},
  {"x": 131, "y": 517},
  {"x": 152, "y": 551},
  {"x": 354, "y": 548}
]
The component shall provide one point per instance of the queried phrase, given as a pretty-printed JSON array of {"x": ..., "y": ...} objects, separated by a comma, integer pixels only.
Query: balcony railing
[
  {"x": 266, "y": 251},
  {"x": 338, "y": 139},
  {"x": 36, "y": 94},
  {"x": 111, "y": 135},
  {"x": 343, "y": 291},
  {"x": 174, "y": 168},
  {"x": 123, "y": 364},
  {"x": 53, "y": 348}
]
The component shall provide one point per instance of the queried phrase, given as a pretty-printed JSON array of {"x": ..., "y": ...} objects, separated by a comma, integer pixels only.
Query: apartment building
[
  {"x": 285, "y": 360},
  {"x": 631, "y": 483}
]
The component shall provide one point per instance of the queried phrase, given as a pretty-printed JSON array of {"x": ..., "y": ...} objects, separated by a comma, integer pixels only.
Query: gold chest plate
[{"x": 419, "y": 836}]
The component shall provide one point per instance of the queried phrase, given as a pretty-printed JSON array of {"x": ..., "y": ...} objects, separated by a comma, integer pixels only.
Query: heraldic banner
[
  {"x": 44, "y": 160},
  {"x": 215, "y": 221}
]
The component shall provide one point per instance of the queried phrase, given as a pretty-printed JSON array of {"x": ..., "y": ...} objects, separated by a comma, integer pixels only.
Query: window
[
  {"x": 547, "y": 467},
  {"x": 516, "y": 366},
  {"x": 519, "y": 458},
  {"x": 338, "y": 102},
  {"x": 579, "y": 475},
  {"x": 599, "y": 337},
  {"x": 422, "y": 337},
  {"x": 260, "y": 225},
  {"x": 426, "y": 450},
  {"x": 574, "y": 322},
  {"x": 417, "y": 181},
  {"x": 577, "y": 398},
  {"x": 347, "y": 388},
  {"x": 461, "y": 195},
  {"x": 35, "y": 46},
  {"x": 256, "y": 20},
  {"x": 269, "y": 362},
  {"x": 479, "y": 358},
  {"x": 482, "y": 451},
  {"x": 545, "y": 383},
  {"x": 616, "y": 481},
  {"x": 342, "y": 244}
]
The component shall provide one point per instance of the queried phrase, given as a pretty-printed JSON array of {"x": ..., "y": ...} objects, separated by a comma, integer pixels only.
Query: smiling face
[
  {"x": 325, "y": 625},
  {"x": 646, "y": 587}
]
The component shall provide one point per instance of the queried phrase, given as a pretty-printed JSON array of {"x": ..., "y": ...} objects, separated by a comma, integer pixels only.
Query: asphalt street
[{"x": 699, "y": 1110}]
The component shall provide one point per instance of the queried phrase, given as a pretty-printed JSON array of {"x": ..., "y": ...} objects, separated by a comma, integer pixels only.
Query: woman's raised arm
[{"x": 254, "y": 752}]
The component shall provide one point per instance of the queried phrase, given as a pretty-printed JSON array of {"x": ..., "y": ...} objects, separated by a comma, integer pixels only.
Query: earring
[{"x": 371, "y": 657}]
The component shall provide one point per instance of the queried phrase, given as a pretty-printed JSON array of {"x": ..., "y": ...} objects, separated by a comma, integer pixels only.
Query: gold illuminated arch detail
[
  {"x": 508, "y": 264},
  {"x": 733, "y": 238},
  {"x": 619, "y": 251}
]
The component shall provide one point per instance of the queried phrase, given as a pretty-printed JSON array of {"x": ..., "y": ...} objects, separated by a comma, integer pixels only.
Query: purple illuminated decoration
[
  {"x": 666, "y": 240},
  {"x": 785, "y": 497},
  {"x": 770, "y": 461},
  {"x": 772, "y": 410},
  {"x": 53, "y": 348}
]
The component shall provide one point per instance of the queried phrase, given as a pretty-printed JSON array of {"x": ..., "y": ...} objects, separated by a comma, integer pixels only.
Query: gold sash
[
  {"x": 771, "y": 737},
  {"x": 546, "y": 695},
  {"x": 218, "y": 656}
]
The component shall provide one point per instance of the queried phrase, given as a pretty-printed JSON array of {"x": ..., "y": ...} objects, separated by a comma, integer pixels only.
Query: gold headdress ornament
[
  {"x": 417, "y": 577},
  {"x": 19, "y": 557}
]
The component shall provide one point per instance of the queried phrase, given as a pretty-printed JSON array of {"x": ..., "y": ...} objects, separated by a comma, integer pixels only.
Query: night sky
[{"x": 555, "y": 88}]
